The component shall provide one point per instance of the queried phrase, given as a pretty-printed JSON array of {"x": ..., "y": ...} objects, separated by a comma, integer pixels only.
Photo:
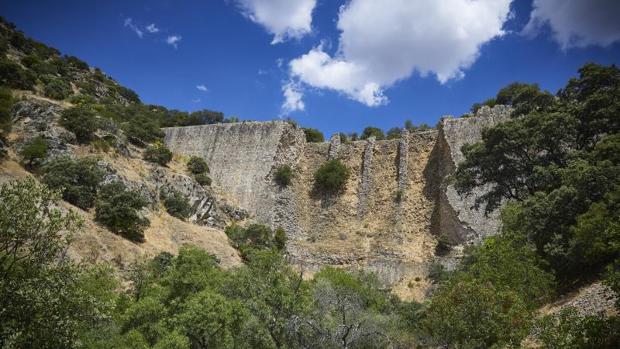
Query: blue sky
[{"x": 227, "y": 46}]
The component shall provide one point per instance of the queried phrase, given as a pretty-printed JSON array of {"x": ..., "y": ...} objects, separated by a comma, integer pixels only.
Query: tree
[
  {"x": 14, "y": 76},
  {"x": 77, "y": 180},
  {"x": 394, "y": 133},
  {"x": 372, "y": 132},
  {"x": 331, "y": 177},
  {"x": 80, "y": 120},
  {"x": 313, "y": 135},
  {"x": 57, "y": 89},
  {"x": 45, "y": 300},
  {"x": 118, "y": 209}
]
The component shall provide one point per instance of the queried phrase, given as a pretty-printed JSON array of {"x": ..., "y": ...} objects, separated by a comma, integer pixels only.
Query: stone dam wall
[{"x": 397, "y": 200}]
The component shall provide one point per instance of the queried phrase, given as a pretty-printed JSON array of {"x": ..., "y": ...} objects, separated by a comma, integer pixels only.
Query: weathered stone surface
[
  {"x": 366, "y": 180},
  {"x": 334, "y": 144}
]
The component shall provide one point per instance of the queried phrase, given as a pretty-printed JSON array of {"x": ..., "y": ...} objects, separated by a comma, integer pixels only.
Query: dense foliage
[
  {"x": 331, "y": 177},
  {"x": 80, "y": 120},
  {"x": 119, "y": 209},
  {"x": 372, "y": 132},
  {"x": 34, "y": 152},
  {"x": 46, "y": 301},
  {"x": 77, "y": 180},
  {"x": 203, "y": 179}
]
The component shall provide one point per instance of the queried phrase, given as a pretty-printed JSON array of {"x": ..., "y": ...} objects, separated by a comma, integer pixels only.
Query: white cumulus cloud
[
  {"x": 173, "y": 40},
  {"x": 202, "y": 88},
  {"x": 382, "y": 42},
  {"x": 577, "y": 23},
  {"x": 283, "y": 18},
  {"x": 293, "y": 98}
]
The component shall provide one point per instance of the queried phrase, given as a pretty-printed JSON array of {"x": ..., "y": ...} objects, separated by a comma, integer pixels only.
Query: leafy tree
[
  {"x": 256, "y": 237},
  {"x": 158, "y": 154},
  {"x": 77, "y": 180},
  {"x": 332, "y": 176},
  {"x": 46, "y": 301},
  {"x": 142, "y": 129},
  {"x": 372, "y": 132},
  {"x": 283, "y": 175},
  {"x": 176, "y": 204},
  {"x": 569, "y": 330},
  {"x": 35, "y": 152},
  {"x": 197, "y": 165},
  {"x": 118, "y": 209},
  {"x": 313, "y": 135},
  {"x": 80, "y": 120}
]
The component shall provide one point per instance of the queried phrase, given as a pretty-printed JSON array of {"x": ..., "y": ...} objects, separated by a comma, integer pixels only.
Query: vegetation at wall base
[
  {"x": 158, "y": 154},
  {"x": 197, "y": 165}
]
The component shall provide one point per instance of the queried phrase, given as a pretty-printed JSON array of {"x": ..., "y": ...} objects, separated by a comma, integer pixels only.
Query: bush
[
  {"x": 313, "y": 135},
  {"x": 76, "y": 62},
  {"x": 142, "y": 129},
  {"x": 197, "y": 165},
  {"x": 14, "y": 76},
  {"x": 373, "y": 132},
  {"x": 118, "y": 209},
  {"x": 80, "y": 120},
  {"x": 284, "y": 175},
  {"x": 256, "y": 237},
  {"x": 394, "y": 133},
  {"x": 176, "y": 204},
  {"x": 158, "y": 154},
  {"x": 203, "y": 179},
  {"x": 35, "y": 152},
  {"x": 331, "y": 177},
  {"x": 444, "y": 245},
  {"x": 78, "y": 180},
  {"x": 6, "y": 103},
  {"x": 57, "y": 89}
]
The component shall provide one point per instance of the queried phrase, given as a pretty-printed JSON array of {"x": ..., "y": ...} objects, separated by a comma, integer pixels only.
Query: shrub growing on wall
[
  {"x": 197, "y": 165},
  {"x": 332, "y": 176},
  {"x": 158, "y": 154},
  {"x": 118, "y": 209},
  {"x": 284, "y": 175},
  {"x": 203, "y": 179}
]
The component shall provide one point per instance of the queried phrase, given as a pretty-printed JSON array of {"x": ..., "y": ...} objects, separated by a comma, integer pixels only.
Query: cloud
[
  {"x": 382, "y": 42},
  {"x": 577, "y": 23},
  {"x": 285, "y": 19},
  {"x": 129, "y": 24},
  {"x": 173, "y": 40},
  {"x": 293, "y": 98},
  {"x": 152, "y": 28},
  {"x": 197, "y": 100},
  {"x": 202, "y": 88}
]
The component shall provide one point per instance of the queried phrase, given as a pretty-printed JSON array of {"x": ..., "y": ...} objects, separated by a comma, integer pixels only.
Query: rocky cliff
[{"x": 397, "y": 200}]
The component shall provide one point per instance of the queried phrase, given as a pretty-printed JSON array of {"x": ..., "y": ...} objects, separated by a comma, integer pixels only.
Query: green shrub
[
  {"x": 118, "y": 209},
  {"x": 57, "y": 89},
  {"x": 6, "y": 103},
  {"x": 567, "y": 329},
  {"x": 197, "y": 165},
  {"x": 158, "y": 154},
  {"x": 77, "y": 180},
  {"x": 142, "y": 129},
  {"x": 256, "y": 237},
  {"x": 76, "y": 62},
  {"x": 283, "y": 175},
  {"x": 14, "y": 76},
  {"x": 394, "y": 133},
  {"x": 373, "y": 132},
  {"x": 444, "y": 245},
  {"x": 128, "y": 94},
  {"x": 313, "y": 135},
  {"x": 80, "y": 120},
  {"x": 35, "y": 152},
  {"x": 203, "y": 179},
  {"x": 331, "y": 177},
  {"x": 176, "y": 204}
]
